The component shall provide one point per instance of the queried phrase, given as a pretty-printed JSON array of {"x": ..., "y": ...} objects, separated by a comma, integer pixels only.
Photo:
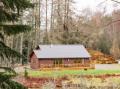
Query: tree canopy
[{"x": 11, "y": 11}]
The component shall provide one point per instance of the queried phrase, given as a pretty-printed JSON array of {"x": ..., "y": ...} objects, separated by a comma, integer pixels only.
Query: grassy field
[{"x": 60, "y": 73}]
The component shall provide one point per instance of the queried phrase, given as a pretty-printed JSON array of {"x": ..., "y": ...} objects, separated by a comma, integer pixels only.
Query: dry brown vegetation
[
  {"x": 76, "y": 82},
  {"x": 101, "y": 58}
]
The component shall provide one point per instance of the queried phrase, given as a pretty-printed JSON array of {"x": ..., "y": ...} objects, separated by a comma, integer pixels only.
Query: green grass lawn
[{"x": 60, "y": 73}]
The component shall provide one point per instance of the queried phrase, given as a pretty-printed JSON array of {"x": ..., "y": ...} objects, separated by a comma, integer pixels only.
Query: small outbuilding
[{"x": 64, "y": 56}]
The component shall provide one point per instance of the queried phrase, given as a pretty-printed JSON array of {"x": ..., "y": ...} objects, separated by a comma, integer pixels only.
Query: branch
[
  {"x": 9, "y": 70},
  {"x": 101, "y": 3},
  {"x": 116, "y": 1},
  {"x": 111, "y": 22},
  {"x": 6, "y": 52},
  {"x": 15, "y": 29}
]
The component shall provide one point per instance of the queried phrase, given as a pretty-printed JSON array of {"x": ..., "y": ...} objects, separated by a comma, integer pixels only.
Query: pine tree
[{"x": 10, "y": 12}]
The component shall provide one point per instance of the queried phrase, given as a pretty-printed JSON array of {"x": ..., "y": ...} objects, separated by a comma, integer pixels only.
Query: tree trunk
[
  {"x": 21, "y": 46},
  {"x": 51, "y": 24},
  {"x": 46, "y": 40}
]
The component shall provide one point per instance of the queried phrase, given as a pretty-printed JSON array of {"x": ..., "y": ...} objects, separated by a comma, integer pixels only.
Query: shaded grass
[{"x": 60, "y": 73}]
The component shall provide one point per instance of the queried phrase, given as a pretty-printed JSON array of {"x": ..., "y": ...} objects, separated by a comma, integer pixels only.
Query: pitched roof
[{"x": 62, "y": 51}]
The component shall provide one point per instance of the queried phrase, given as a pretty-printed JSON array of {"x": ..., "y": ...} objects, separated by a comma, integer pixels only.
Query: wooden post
[{"x": 83, "y": 61}]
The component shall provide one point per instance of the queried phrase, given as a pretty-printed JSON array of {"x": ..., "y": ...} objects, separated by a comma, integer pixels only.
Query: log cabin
[{"x": 62, "y": 56}]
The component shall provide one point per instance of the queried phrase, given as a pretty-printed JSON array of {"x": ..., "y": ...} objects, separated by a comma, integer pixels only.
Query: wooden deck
[{"x": 67, "y": 67}]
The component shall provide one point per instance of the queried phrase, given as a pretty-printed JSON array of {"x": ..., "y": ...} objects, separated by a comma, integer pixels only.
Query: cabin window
[
  {"x": 78, "y": 60},
  {"x": 58, "y": 61}
]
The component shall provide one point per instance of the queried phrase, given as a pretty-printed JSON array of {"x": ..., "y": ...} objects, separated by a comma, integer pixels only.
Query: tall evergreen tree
[{"x": 10, "y": 12}]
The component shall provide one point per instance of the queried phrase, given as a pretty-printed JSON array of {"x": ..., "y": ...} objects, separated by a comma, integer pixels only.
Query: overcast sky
[{"x": 96, "y": 5}]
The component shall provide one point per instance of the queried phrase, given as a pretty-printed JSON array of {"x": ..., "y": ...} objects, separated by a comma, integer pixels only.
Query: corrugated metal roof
[{"x": 62, "y": 51}]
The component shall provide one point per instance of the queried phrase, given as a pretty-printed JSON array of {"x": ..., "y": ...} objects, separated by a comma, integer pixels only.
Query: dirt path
[{"x": 21, "y": 69}]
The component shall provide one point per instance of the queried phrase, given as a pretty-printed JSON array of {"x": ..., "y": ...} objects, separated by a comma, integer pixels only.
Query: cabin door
[{"x": 57, "y": 62}]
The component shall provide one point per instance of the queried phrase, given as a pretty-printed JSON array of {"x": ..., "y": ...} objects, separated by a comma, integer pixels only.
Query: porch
[{"x": 74, "y": 66}]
